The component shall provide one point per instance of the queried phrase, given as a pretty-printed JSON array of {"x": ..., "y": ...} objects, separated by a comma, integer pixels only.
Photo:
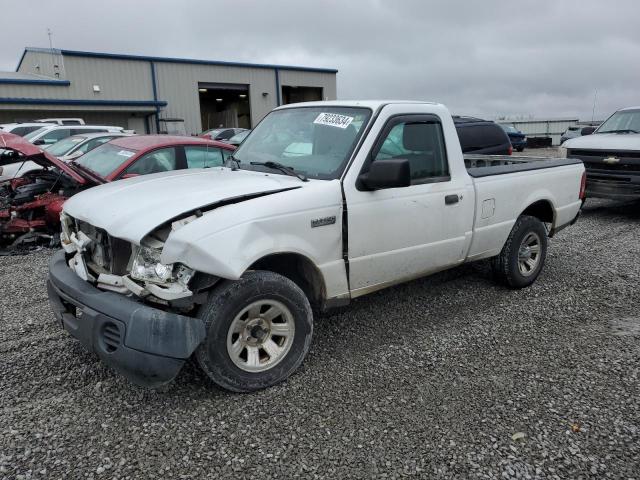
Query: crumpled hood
[
  {"x": 15, "y": 143},
  {"x": 605, "y": 141},
  {"x": 132, "y": 208}
]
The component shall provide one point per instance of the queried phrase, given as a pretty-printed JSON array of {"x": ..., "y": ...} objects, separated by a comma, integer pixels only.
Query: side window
[
  {"x": 226, "y": 135},
  {"x": 422, "y": 143},
  {"x": 203, "y": 157},
  {"x": 162, "y": 160},
  {"x": 21, "y": 131},
  {"x": 54, "y": 135}
]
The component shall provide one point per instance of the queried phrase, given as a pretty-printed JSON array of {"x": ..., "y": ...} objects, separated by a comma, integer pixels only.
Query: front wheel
[
  {"x": 523, "y": 254},
  {"x": 259, "y": 330}
]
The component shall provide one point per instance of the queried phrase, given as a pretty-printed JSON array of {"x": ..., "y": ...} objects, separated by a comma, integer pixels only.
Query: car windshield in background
[
  {"x": 509, "y": 129},
  {"x": 315, "y": 141},
  {"x": 64, "y": 146},
  {"x": 105, "y": 159},
  {"x": 626, "y": 121},
  {"x": 30, "y": 136},
  {"x": 236, "y": 139}
]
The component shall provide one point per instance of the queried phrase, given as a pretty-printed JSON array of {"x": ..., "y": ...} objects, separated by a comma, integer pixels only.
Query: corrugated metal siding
[
  {"x": 118, "y": 79},
  {"x": 119, "y": 119},
  {"x": 178, "y": 85},
  {"x": 311, "y": 79},
  {"x": 553, "y": 128}
]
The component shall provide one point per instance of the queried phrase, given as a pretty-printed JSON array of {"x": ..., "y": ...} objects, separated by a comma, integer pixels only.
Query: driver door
[{"x": 396, "y": 234}]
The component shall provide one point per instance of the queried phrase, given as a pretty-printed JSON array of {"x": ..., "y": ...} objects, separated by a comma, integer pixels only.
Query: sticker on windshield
[
  {"x": 125, "y": 153},
  {"x": 333, "y": 120}
]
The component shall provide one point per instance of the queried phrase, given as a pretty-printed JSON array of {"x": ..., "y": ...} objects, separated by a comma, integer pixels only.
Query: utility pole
[{"x": 593, "y": 111}]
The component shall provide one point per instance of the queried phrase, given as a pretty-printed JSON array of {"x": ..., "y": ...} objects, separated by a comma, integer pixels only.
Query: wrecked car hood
[
  {"x": 130, "y": 209},
  {"x": 15, "y": 143}
]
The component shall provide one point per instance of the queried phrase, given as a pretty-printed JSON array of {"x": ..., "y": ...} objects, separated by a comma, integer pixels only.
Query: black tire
[
  {"x": 506, "y": 266},
  {"x": 228, "y": 301},
  {"x": 520, "y": 149}
]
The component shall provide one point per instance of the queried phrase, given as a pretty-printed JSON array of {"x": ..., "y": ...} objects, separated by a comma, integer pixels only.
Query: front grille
[
  {"x": 613, "y": 167},
  {"x": 111, "y": 337},
  {"x": 105, "y": 254},
  {"x": 600, "y": 154}
]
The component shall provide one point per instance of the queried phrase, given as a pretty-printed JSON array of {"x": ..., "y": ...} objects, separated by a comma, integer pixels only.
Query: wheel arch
[
  {"x": 542, "y": 210},
  {"x": 298, "y": 268}
]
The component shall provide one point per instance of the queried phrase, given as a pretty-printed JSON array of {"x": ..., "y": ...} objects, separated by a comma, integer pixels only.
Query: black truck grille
[{"x": 608, "y": 162}]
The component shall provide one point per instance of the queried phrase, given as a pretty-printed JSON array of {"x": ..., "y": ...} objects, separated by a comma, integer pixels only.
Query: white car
[
  {"x": 23, "y": 129},
  {"x": 75, "y": 146},
  {"x": 63, "y": 121},
  {"x": 226, "y": 263},
  {"x": 45, "y": 137}
]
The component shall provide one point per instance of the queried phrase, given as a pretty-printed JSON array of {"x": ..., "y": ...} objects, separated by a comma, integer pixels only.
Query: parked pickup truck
[
  {"x": 322, "y": 203},
  {"x": 611, "y": 156}
]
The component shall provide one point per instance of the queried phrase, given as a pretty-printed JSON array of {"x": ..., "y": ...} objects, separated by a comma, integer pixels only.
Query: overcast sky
[{"x": 539, "y": 58}]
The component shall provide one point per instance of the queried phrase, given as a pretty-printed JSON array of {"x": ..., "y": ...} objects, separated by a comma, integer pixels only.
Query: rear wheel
[
  {"x": 259, "y": 330},
  {"x": 523, "y": 255}
]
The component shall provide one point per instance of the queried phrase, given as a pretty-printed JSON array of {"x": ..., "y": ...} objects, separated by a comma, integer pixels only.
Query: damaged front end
[
  {"x": 112, "y": 264},
  {"x": 30, "y": 205}
]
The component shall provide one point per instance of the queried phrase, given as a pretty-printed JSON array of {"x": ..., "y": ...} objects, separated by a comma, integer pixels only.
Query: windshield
[
  {"x": 239, "y": 137},
  {"x": 315, "y": 141},
  {"x": 105, "y": 159},
  {"x": 624, "y": 121},
  {"x": 64, "y": 146},
  {"x": 35, "y": 133}
]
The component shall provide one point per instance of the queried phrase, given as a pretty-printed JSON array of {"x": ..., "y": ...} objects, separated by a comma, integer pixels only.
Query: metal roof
[
  {"x": 30, "y": 78},
  {"x": 119, "y": 56}
]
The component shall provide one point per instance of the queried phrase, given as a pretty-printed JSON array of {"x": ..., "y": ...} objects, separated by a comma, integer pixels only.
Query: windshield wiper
[
  {"x": 620, "y": 130},
  {"x": 282, "y": 168}
]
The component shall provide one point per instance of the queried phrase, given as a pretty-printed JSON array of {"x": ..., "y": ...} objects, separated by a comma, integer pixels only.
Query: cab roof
[{"x": 372, "y": 104}]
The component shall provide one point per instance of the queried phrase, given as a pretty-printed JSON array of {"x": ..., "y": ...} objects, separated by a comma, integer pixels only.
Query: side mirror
[
  {"x": 587, "y": 130},
  {"x": 40, "y": 141},
  {"x": 390, "y": 173}
]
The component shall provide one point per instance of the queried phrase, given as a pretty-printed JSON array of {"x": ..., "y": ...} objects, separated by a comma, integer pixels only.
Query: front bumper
[
  {"x": 617, "y": 187},
  {"x": 147, "y": 345}
]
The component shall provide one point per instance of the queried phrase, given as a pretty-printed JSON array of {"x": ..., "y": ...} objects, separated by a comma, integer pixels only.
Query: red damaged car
[{"x": 30, "y": 205}]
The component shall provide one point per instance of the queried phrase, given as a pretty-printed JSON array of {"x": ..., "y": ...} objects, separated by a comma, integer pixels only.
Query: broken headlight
[{"x": 147, "y": 267}]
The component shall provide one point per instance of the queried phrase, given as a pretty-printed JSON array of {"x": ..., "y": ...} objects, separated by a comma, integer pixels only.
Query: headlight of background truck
[{"x": 562, "y": 152}]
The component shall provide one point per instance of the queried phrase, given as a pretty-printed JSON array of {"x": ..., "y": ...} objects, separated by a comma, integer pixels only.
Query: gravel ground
[{"x": 445, "y": 377}]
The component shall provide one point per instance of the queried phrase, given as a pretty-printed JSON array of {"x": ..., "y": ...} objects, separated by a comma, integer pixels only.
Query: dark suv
[{"x": 482, "y": 136}]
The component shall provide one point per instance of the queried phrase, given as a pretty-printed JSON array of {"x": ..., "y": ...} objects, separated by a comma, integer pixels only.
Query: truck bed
[{"x": 487, "y": 165}]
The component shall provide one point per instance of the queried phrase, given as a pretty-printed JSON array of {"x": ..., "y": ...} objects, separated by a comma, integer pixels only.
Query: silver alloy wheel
[
  {"x": 261, "y": 335},
  {"x": 529, "y": 254}
]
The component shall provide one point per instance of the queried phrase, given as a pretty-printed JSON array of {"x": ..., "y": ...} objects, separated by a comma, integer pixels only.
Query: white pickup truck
[{"x": 322, "y": 203}]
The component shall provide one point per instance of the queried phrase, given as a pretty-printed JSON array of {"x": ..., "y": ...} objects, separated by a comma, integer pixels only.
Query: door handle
[{"x": 451, "y": 199}]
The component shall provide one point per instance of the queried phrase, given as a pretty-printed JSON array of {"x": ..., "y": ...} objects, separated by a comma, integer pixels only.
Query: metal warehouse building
[{"x": 139, "y": 92}]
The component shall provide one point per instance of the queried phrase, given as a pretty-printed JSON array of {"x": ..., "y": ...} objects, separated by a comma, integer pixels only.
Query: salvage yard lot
[{"x": 429, "y": 378}]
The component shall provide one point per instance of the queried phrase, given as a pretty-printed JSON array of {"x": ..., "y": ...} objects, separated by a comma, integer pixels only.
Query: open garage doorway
[
  {"x": 291, "y": 94},
  {"x": 224, "y": 105}
]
